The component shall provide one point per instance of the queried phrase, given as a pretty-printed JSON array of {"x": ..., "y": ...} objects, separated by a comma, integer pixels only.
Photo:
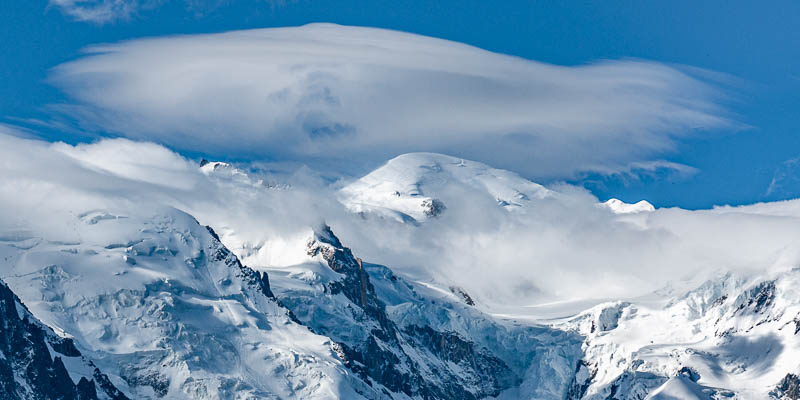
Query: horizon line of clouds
[{"x": 331, "y": 94}]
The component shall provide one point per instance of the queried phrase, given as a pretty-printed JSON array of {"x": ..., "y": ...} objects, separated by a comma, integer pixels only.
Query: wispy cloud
[
  {"x": 786, "y": 180},
  {"x": 107, "y": 11},
  {"x": 101, "y": 11},
  {"x": 635, "y": 170},
  {"x": 334, "y": 94}
]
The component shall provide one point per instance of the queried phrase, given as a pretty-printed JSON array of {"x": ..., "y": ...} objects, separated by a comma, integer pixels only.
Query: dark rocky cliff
[{"x": 32, "y": 366}]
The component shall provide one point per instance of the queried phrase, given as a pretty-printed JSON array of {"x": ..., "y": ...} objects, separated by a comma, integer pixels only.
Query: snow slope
[
  {"x": 730, "y": 337},
  {"x": 415, "y": 186}
]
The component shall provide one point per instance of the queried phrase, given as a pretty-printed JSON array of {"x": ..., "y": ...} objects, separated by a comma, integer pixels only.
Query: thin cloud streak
[{"x": 101, "y": 11}]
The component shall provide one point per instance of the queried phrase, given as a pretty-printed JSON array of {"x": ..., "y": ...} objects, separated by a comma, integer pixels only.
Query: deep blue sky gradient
[{"x": 756, "y": 43}]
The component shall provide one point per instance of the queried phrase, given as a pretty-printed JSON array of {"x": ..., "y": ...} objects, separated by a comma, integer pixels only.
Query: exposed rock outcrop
[
  {"x": 391, "y": 357},
  {"x": 32, "y": 359}
]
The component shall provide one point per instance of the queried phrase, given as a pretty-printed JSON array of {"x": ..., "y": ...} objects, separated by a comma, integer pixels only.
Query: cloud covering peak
[
  {"x": 563, "y": 245},
  {"x": 327, "y": 93}
]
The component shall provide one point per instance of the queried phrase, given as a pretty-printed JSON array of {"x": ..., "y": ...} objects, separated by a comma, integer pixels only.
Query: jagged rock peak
[
  {"x": 355, "y": 285},
  {"x": 789, "y": 387},
  {"x": 29, "y": 369},
  {"x": 325, "y": 243},
  {"x": 462, "y": 294},
  {"x": 258, "y": 279},
  {"x": 325, "y": 234},
  {"x": 418, "y": 359}
]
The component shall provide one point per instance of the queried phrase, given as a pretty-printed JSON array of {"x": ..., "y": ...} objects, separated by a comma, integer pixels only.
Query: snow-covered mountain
[
  {"x": 731, "y": 337},
  {"x": 415, "y": 186},
  {"x": 128, "y": 295},
  {"x": 163, "y": 308}
]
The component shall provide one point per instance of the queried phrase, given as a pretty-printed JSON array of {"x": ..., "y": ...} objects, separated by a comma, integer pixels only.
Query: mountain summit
[{"x": 414, "y": 187}]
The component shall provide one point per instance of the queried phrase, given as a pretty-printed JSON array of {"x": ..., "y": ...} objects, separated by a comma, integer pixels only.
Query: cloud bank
[
  {"x": 564, "y": 247},
  {"x": 327, "y": 94}
]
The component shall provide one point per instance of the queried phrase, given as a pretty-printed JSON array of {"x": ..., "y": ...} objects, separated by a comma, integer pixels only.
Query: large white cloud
[
  {"x": 565, "y": 247},
  {"x": 327, "y": 93}
]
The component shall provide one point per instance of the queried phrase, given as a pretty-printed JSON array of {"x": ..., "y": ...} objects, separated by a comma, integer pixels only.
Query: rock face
[
  {"x": 432, "y": 207},
  {"x": 415, "y": 361},
  {"x": 460, "y": 292},
  {"x": 32, "y": 363},
  {"x": 220, "y": 253},
  {"x": 789, "y": 387}
]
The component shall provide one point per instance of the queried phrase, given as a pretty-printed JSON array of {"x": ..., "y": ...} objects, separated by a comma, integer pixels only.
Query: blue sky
[{"x": 756, "y": 47}]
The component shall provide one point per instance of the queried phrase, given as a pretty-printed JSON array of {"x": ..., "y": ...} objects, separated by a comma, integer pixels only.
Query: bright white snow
[
  {"x": 620, "y": 207},
  {"x": 406, "y": 186}
]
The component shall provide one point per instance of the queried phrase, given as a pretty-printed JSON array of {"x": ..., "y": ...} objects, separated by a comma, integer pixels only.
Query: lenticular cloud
[{"x": 327, "y": 93}]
